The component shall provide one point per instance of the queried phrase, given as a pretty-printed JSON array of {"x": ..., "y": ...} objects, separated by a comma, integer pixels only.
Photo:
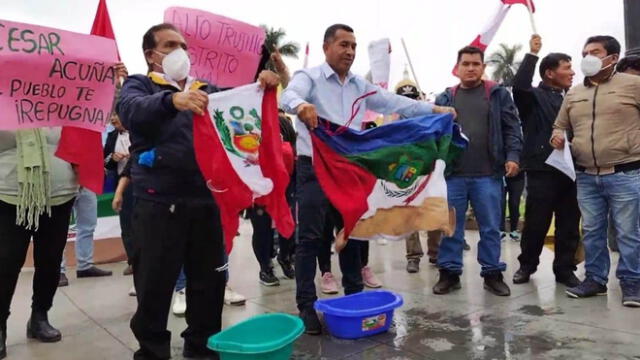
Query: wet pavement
[{"x": 538, "y": 321}]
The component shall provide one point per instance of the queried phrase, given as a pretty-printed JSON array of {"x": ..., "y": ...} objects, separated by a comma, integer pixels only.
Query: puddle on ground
[
  {"x": 536, "y": 310},
  {"x": 437, "y": 344},
  {"x": 479, "y": 336}
]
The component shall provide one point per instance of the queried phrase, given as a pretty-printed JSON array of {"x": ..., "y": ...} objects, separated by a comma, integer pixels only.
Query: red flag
[
  {"x": 273, "y": 167},
  {"x": 522, "y": 2},
  {"x": 230, "y": 191},
  {"x": 483, "y": 39},
  {"x": 335, "y": 174},
  {"x": 82, "y": 147}
]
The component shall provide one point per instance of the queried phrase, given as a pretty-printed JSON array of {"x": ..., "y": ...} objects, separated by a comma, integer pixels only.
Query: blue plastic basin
[{"x": 359, "y": 315}]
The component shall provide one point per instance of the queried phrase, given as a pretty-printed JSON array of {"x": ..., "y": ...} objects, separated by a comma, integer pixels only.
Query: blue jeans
[
  {"x": 85, "y": 209},
  {"x": 485, "y": 195},
  {"x": 619, "y": 194}
]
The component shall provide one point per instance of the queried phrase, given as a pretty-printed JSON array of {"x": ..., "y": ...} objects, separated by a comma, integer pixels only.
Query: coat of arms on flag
[
  {"x": 239, "y": 150},
  {"x": 388, "y": 182}
]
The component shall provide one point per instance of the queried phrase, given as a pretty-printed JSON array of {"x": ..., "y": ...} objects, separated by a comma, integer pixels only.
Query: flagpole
[
  {"x": 306, "y": 56},
  {"x": 533, "y": 23},
  {"x": 413, "y": 72}
]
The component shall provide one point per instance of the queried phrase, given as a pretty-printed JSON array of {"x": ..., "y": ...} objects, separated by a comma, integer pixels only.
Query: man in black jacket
[
  {"x": 549, "y": 191},
  {"x": 176, "y": 218}
]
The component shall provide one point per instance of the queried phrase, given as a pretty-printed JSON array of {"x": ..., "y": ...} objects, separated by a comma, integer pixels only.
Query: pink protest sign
[
  {"x": 223, "y": 51},
  {"x": 52, "y": 77}
]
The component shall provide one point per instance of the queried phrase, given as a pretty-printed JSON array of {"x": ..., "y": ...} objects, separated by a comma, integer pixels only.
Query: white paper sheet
[{"x": 562, "y": 160}]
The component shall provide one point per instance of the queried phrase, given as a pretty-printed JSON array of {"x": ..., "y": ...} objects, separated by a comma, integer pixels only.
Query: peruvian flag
[
  {"x": 487, "y": 34},
  {"x": 239, "y": 151},
  {"x": 83, "y": 147}
]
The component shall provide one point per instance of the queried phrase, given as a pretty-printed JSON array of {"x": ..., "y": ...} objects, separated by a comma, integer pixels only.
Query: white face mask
[
  {"x": 591, "y": 65},
  {"x": 176, "y": 64}
]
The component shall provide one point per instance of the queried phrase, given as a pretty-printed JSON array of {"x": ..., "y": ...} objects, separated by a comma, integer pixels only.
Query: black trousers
[
  {"x": 331, "y": 222},
  {"x": 550, "y": 193},
  {"x": 313, "y": 207},
  {"x": 287, "y": 246},
  {"x": 49, "y": 241},
  {"x": 262, "y": 238},
  {"x": 324, "y": 255},
  {"x": 126, "y": 215},
  {"x": 364, "y": 253},
  {"x": 168, "y": 236},
  {"x": 514, "y": 189}
]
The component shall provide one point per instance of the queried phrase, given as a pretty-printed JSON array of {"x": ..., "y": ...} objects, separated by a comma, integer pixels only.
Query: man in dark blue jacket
[
  {"x": 550, "y": 192},
  {"x": 176, "y": 218},
  {"x": 489, "y": 119}
]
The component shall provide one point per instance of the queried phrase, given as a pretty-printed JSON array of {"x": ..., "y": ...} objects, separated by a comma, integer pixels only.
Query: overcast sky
[{"x": 433, "y": 29}]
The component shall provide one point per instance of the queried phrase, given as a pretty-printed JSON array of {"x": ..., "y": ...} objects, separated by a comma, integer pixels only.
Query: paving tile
[
  {"x": 94, "y": 344},
  {"x": 499, "y": 333},
  {"x": 386, "y": 352},
  {"x": 326, "y": 347},
  {"x": 537, "y": 322}
]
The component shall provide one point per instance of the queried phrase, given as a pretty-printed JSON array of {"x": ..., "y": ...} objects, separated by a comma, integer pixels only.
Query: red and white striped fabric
[
  {"x": 239, "y": 151},
  {"x": 487, "y": 34},
  {"x": 83, "y": 147}
]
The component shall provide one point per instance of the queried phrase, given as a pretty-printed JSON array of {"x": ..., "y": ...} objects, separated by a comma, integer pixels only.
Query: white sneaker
[
  {"x": 132, "y": 291},
  {"x": 180, "y": 303},
  {"x": 233, "y": 298}
]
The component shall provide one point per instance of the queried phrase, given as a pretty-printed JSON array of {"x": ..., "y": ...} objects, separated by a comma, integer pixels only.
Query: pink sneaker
[
  {"x": 370, "y": 279},
  {"x": 328, "y": 284}
]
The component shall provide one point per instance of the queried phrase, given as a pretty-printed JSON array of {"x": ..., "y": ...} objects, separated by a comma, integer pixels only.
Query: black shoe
[
  {"x": 64, "y": 281},
  {"x": 587, "y": 288},
  {"x": 448, "y": 281},
  {"x": 630, "y": 293},
  {"x": 521, "y": 276},
  {"x": 39, "y": 328},
  {"x": 311, "y": 322},
  {"x": 433, "y": 260},
  {"x": 191, "y": 352},
  {"x": 287, "y": 268},
  {"x": 93, "y": 272},
  {"x": 3, "y": 340},
  {"x": 466, "y": 246},
  {"x": 569, "y": 279},
  {"x": 413, "y": 266},
  {"x": 267, "y": 278},
  {"x": 495, "y": 284}
]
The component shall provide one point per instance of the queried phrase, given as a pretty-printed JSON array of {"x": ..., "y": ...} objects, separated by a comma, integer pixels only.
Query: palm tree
[
  {"x": 275, "y": 38},
  {"x": 504, "y": 61}
]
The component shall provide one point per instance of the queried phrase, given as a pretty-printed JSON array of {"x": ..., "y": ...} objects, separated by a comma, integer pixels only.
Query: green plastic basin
[{"x": 262, "y": 337}]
